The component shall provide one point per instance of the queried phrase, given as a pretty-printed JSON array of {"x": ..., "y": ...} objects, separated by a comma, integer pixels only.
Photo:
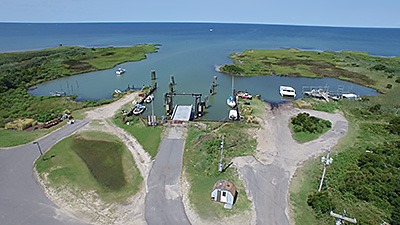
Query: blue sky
[{"x": 359, "y": 13}]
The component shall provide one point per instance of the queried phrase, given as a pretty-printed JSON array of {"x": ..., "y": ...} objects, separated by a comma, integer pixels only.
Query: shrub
[{"x": 320, "y": 202}]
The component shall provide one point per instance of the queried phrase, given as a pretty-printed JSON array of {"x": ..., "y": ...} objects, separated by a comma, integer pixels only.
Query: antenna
[
  {"x": 326, "y": 161},
  {"x": 341, "y": 218}
]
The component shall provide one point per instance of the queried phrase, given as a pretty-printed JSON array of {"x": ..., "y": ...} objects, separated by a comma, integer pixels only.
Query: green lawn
[
  {"x": 92, "y": 161},
  {"x": 148, "y": 137},
  {"x": 10, "y": 138}
]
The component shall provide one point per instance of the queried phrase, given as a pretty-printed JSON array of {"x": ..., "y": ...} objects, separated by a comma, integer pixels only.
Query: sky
[{"x": 347, "y": 13}]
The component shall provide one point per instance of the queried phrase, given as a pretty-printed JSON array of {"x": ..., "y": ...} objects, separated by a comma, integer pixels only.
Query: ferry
[{"x": 287, "y": 91}]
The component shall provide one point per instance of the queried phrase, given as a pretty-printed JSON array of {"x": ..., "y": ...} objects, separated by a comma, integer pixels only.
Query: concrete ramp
[{"x": 182, "y": 113}]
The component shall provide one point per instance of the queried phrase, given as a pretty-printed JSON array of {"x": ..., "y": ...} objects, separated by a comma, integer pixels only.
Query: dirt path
[{"x": 268, "y": 175}]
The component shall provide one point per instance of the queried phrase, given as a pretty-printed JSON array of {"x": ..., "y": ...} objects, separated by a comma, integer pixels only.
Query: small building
[{"x": 224, "y": 191}]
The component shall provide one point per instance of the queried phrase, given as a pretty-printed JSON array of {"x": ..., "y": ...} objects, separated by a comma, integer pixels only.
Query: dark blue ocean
[{"x": 191, "y": 52}]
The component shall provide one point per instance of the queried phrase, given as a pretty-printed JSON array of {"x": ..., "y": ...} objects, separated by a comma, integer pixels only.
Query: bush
[
  {"x": 320, "y": 202},
  {"x": 303, "y": 122}
]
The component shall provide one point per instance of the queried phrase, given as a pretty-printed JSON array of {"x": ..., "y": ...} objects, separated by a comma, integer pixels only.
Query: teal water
[{"x": 190, "y": 52}]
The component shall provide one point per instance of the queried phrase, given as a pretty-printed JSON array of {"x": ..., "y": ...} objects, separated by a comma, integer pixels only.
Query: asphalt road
[
  {"x": 268, "y": 186},
  {"x": 22, "y": 201},
  {"x": 163, "y": 204}
]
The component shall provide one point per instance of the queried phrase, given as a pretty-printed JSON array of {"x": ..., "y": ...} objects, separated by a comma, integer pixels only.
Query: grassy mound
[
  {"x": 103, "y": 159},
  {"x": 91, "y": 161}
]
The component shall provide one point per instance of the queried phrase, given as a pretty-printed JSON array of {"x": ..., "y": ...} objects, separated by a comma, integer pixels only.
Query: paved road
[
  {"x": 22, "y": 201},
  {"x": 163, "y": 203},
  {"x": 268, "y": 186}
]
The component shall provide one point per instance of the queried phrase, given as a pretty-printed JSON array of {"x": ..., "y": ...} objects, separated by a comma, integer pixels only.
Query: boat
[
  {"x": 231, "y": 102},
  {"x": 244, "y": 95},
  {"x": 233, "y": 115},
  {"x": 58, "y": 93},
  {"x": 149, "y": 99},
  {"x": 120, "y": 71},
  {"x": 287, "y": 91},
  {"x": 138, "y": 109}
]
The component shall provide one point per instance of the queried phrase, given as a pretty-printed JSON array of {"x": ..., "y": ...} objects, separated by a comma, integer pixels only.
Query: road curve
[{"x": 22, "y": 201}]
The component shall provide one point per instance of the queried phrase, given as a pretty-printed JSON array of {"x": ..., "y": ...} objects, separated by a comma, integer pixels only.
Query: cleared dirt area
[{"x": 268, "y": 175}]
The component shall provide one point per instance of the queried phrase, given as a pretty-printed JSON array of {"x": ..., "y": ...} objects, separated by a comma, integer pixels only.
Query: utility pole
[
  {"x": 220, "y": 165},
  {"x": 40, "y": 150},
  {"x": 326, "y": 161},
  {"x": 341, "y": 218}
]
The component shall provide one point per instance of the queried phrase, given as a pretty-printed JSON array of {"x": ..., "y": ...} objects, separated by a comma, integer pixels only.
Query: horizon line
[{"x": 204, "y": 22}]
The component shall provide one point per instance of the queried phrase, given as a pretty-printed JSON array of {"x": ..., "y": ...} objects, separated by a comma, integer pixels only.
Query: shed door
[{"x": 224, "y": 196}]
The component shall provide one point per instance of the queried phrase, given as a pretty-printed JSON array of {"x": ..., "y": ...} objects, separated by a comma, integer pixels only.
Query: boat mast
[{"x": 233, "y": 81}]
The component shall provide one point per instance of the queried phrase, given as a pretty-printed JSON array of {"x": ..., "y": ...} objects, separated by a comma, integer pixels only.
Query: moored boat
[
  {"x": 233, "y": 115},
  {"x": 138, "y": 109},
  {"x": 287, "y": 91},
  {"x": 149, "y": 98},
  {"x": 120, "y": 71},
  {"x": 231, "y": 102}
]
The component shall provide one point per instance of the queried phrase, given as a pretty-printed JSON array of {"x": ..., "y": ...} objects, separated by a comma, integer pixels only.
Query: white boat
[
  {"x": 138, "y": 109},
  {"x": 231, "y": 102},
  {"x": 149, "y": 99},
  {"x": 120, "y": 71},
  {"x": 233, "y": 115},
  {"x": 287, "y": 91}
]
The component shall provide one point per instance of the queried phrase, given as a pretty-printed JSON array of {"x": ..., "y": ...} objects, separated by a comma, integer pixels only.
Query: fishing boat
[
  {"x": 231, "y": 102},
  {"x": 233, "y": 115},
  {"x": 149, "y": 99},
  {"x": 120, "y": 71},
  {"x": 287, "y": 91},
  {"x": 138, "y": 109}
]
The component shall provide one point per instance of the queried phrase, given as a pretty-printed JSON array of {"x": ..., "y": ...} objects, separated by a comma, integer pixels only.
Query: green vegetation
[
  {"x": 364, "y": 177},
  {"x": 91, "y": 161},
  {"x": 360, "y": 68},
  {"x": 11, "y": 138},
  {"x": 307, "y": 128},
  {"x": 318, "y": 104},
  {"x": 21, "y": 70},
  {"x": 201, "y": 160},
  {"x": 148, "y": 137}
]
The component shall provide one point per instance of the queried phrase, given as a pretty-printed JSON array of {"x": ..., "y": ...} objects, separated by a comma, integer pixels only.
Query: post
[
  {"x": 40, "y": 150},
  {"x": 220, "y": 165},
  {"x": 326, "y": 161}
]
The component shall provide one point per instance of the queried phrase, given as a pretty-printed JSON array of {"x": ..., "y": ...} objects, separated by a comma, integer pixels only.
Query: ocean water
[{"x": 191, "y": 52}]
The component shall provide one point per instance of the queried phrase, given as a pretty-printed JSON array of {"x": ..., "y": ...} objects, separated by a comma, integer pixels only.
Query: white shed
[{"x": 224, "y": 191}]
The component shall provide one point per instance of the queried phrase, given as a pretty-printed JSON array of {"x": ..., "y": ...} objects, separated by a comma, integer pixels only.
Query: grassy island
[
  {"x": 22, "y": 70},
  {"x": 356, "y": 67}
]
